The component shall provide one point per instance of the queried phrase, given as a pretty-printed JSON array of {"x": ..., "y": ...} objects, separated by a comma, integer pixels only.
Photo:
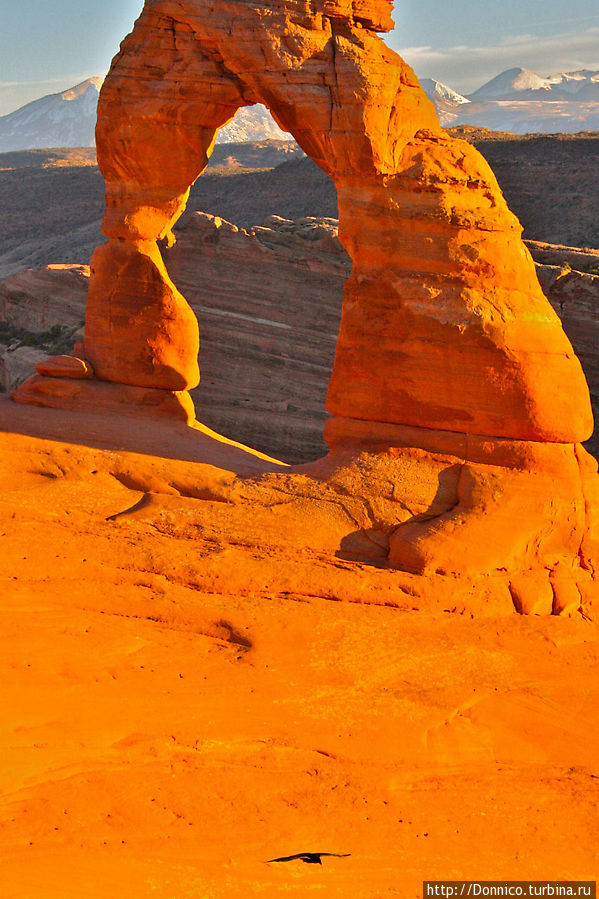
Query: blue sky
[{"x": 49, "y": 45}]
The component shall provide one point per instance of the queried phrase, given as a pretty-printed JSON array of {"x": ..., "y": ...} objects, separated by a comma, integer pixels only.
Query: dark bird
[{"x": 310, "y": 858}]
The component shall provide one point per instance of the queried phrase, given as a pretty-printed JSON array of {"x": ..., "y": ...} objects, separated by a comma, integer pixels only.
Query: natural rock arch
[
  {"x": 444, "y": 324},
  {"x": 448, "y": 351}
]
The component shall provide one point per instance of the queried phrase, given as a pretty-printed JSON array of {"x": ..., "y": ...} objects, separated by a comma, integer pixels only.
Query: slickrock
[
  {"x": 266, "y": 368},
  {"x": 207, "y": 663},
  {"x": 57, "y": 392},
  {"x": 268, "y": 300},
  {"x": 447, "y": 351}
]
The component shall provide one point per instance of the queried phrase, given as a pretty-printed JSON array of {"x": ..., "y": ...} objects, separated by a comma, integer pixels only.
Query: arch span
[{"x": 444, "y": 325}]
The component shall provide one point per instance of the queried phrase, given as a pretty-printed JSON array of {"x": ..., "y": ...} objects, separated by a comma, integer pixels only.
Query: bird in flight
[{"x": 310, "y": 858}]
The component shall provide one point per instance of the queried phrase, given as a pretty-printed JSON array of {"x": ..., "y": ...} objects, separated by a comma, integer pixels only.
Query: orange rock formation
[
  {"x": 211, "y": 659},
  {"x": 449, "y": 357}
]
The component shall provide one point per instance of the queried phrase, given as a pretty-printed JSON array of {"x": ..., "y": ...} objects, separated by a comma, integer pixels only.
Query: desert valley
[{"x": 337, "y": 596}]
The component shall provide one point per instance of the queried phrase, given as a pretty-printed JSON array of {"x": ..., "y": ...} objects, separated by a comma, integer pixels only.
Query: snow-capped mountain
[
  {"x": 435, "y": 90},
  {"x": 521, "y": 101},
  {"x": 514, "y": 84},
  {"x": 446, "y": 100},
  {"x": 251, "y": 123},
  {"x": 583, "y": 84},
  {"x": 58, "y": 120},
  {"x": 522, "y": 84},
  {"x": 68, "y": 119}
]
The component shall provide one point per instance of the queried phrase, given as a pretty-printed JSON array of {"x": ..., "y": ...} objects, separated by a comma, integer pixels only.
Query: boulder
[{"x": 65, "y": 367}]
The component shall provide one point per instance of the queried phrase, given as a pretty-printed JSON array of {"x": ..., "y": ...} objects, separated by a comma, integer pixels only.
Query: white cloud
[{"x": 467, "y": 68}]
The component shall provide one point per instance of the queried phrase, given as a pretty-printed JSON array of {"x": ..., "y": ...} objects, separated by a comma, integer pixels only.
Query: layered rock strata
[
  {"x": 444, "y": 328},
  {"x": 268, "y": 300},
  {"x": 37, "y": 300}
]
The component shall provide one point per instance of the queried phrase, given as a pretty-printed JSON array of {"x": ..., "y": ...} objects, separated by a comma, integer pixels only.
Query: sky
[{"x": 47, "y": 46}]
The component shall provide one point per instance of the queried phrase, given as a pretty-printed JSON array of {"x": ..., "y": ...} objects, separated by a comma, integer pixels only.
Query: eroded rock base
[
  {"x": 480, "y": 506},
  {"x": 92, "y": 395},
  {"x": 437, "y": 528}
]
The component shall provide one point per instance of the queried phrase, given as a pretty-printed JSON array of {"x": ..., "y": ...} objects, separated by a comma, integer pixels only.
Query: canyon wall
[{"x": 268, "y": 300}]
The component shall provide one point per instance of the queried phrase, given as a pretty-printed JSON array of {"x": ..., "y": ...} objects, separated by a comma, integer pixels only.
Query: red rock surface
[
  {"x": 360, "y": 113},
  {"x": 444, "y": 327},
  {"x": 266, "y": 370},
  {"x": 197, "y": 678},
  {"x": 139, "y": 329},
  {"x": 268, "y": 301},
  {"x": 58, "y": 391}
]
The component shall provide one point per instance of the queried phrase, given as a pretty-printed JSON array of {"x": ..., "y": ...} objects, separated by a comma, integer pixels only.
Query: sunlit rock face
[{"x": 448, "y": 351}]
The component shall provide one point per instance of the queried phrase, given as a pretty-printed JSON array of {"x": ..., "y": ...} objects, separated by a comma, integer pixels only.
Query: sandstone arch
[
  {"x": 442, "y": 286},
  {"x": 447, "y": 346}
]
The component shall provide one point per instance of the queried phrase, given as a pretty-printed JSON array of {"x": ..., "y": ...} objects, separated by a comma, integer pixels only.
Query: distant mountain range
[
  {"x": 68, "y": 119},
  {"x": 522, "y": 84},
  {"x": 58, "y": 120},
  {"x": 523, "y": 102},
  {"x": 518, "y": 100}
]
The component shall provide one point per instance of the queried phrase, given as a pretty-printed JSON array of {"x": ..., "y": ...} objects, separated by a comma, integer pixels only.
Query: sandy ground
[{"x": 177, "y": 709}]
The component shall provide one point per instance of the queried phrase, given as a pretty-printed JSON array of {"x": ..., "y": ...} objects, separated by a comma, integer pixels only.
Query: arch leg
[{"x": 157, "y": 122}]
